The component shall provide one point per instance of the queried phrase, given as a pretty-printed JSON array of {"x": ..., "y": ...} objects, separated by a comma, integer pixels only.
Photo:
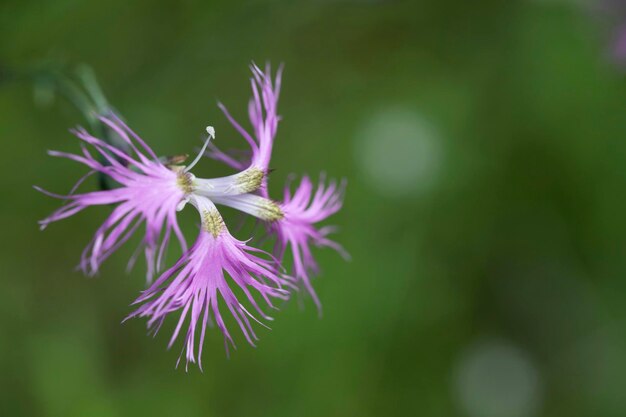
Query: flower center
[{"x": 184, "y": 180}]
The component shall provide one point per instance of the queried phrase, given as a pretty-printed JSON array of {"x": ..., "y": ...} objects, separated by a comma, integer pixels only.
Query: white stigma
[{"x": 211, "y": 131}]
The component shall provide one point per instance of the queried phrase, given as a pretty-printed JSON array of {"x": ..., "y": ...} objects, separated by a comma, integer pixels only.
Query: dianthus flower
[
  {"x": 293, "y": 220},
  {"x": 150, "y": 191}
]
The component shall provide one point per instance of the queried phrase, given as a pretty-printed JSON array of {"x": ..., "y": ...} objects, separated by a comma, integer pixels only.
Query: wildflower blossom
[
  {"x": 194, "y": 283},
  {"x": 151, "y": 191},
  {"x": 293, "y": 221},
  {"x": 262, "y": 111}
]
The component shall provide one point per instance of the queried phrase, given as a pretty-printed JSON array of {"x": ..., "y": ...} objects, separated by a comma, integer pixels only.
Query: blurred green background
[{"x": 484, "y": 144}]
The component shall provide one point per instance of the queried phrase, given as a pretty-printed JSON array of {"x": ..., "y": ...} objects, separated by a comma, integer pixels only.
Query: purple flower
[
  {"x": 294, "y": 222},
  {"x": 297, "y": 228},
  {"x": 198, "y": 279},
  {"x": 149, "y": 194},
  {"x": 262, "y": 111}
]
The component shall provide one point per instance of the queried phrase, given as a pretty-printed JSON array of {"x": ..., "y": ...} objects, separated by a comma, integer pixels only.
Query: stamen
[
  {"x": 211, "y": 131},
  {"x": 185, "y": 181},
  {"x": 212, "y": 222},
  {"x": 250, "y": 180},
  {"x": 270, "y": 211}
]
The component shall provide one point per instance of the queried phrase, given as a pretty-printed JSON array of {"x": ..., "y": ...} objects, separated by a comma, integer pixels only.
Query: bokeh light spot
[
  {"x": 399, "y": 152},
  {"x": 495, "y": 379}
]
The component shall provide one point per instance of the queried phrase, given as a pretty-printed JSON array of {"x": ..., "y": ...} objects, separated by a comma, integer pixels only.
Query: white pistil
[{"x": 211, "y": 131}]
